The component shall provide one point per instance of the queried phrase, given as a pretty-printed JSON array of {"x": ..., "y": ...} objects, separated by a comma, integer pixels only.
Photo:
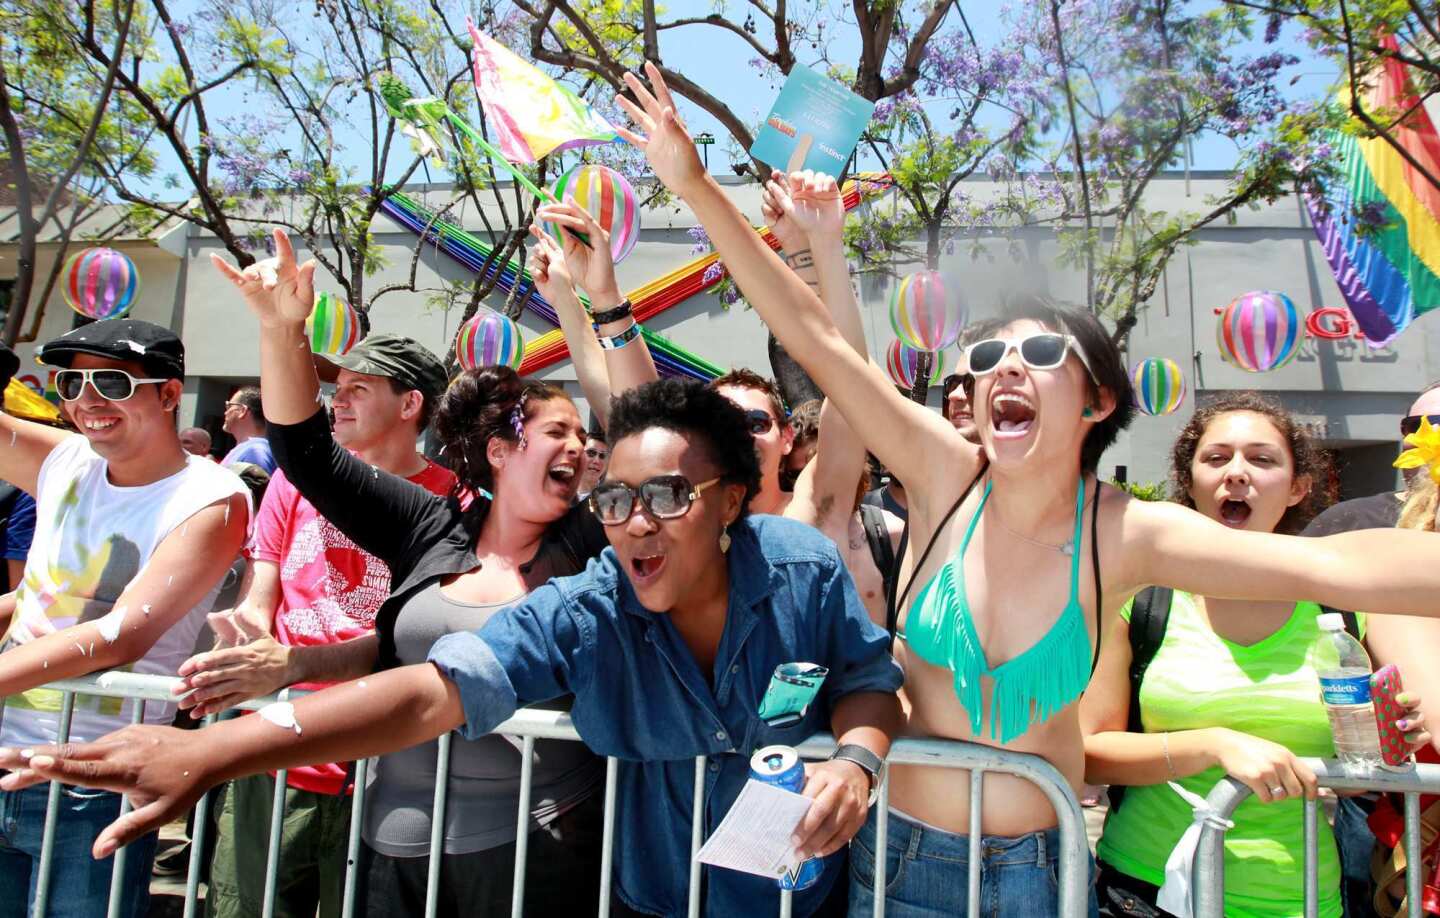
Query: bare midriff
[{"x": 941, "y": 796}]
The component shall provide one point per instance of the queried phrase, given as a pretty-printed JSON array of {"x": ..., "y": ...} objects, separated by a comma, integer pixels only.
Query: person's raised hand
[
  {"x": 277, "y": 290},
  {"x": 778, "y": 210},
  {"x": 547, "y": 268},
  {"x": 819, "y": 207},
  {"x": 220, "y": 679},
  {"x": 660, "y": 133},
  {"x": 162, "y": 769},
  {"x": 590, "y": 266},
  {"x": 1269, "y": 769},
  {"x": 841, "y": 794}
]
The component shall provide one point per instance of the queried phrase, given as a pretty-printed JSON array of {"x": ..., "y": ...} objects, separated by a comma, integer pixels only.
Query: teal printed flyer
[{"x": 814, "y": 124}]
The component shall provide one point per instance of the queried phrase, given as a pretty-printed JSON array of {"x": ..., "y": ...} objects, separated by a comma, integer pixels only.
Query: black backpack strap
[
  {"x": 1352, "y": 624},
  {"x": 892, "y": 606},
  {"x": 1149, "y": 615},
  {"x": 878, "y": 536}
]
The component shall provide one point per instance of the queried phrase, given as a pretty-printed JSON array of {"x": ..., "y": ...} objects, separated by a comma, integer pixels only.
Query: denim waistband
[{"x": 917, "y": 840}]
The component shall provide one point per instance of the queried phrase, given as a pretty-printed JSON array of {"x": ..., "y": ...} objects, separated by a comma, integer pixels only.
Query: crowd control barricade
[
  {"x": 1208, "y": 883},
  {"x": 530, "y": 725}
]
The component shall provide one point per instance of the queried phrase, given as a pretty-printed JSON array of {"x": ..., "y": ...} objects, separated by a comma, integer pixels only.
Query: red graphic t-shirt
[{"x": 330, "y": 589}]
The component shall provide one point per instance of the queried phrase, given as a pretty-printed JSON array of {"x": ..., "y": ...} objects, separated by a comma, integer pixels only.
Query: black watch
[{"x": 869, "y": 762}]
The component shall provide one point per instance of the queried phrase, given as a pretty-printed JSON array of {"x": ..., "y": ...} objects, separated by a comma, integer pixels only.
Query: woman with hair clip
[
  {"x": 517, "y": 443},
  {"x": 1226, "y": 686},
  {"x": 1026, "y": 556},
  {"x": 702, "y": 635}
]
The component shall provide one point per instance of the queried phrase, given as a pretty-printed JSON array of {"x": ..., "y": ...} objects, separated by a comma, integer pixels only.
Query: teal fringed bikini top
[{"x": 1030, "y": 688}]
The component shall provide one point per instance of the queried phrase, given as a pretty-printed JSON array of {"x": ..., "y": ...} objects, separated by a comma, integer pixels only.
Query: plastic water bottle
[{"x": 1344, "y": 670}]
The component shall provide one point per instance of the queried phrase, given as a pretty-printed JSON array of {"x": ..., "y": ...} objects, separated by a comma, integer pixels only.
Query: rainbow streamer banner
[
  {"x": 648, "y": 300},
  {"x": 531, "y": 114},
  {"x": 1390, "y": 275}
]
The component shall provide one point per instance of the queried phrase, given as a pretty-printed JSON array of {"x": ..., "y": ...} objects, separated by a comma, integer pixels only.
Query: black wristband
[{"x": 613, "y": 314}]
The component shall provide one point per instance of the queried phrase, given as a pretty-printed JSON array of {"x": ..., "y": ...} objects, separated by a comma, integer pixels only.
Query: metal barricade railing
[
  {"x": 530, "y": 725},
  {"x": 1208, "y": 884}
]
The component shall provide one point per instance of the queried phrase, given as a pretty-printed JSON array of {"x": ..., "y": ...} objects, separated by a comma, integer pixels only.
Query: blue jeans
[
  {"x": 79, "y": 884},
  {"x": 927, "y": 873}
]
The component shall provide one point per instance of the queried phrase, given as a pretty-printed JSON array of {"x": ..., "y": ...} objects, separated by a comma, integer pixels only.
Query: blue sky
[{"x": 719, "y": 61}]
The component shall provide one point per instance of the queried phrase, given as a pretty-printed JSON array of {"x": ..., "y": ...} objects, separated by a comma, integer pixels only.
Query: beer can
[{"x": 781, "y": 766}]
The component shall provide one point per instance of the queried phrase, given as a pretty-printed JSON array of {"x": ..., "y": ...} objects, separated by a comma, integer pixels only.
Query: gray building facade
[{"x": 1348, "y": 394}]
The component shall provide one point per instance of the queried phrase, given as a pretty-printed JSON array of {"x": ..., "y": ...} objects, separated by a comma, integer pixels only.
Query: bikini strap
[
  {"x": 892, "y": 612},
  {"x": 1095, "y": 565},
  {"x": 1077, "y": 544}
]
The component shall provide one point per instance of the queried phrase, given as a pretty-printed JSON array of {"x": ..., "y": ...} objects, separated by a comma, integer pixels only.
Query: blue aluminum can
[{"x": 781, "y": 766}]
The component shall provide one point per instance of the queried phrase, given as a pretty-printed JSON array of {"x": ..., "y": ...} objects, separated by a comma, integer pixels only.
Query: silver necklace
[{"x": 1066, "y": 548}]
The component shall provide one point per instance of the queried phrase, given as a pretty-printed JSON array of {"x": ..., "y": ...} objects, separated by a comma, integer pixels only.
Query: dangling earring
[{"x": 724, "y": 540}]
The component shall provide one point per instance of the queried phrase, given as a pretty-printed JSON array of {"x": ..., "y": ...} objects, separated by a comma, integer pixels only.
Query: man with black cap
[
  {"x": 133, "y": 536},
  {"x": 309, "y": 607}
]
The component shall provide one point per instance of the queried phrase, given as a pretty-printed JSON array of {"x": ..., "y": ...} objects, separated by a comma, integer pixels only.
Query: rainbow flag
[
  {"x": 530, "y": 113},
  {"x": 1390, "y": 275}
]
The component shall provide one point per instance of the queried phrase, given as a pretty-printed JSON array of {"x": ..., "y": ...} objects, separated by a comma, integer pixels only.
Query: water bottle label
[{"x": 1345, "y": 689}]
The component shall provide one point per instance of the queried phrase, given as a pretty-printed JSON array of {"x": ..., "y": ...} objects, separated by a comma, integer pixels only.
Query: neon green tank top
[{"x": 1029, "y": 688}]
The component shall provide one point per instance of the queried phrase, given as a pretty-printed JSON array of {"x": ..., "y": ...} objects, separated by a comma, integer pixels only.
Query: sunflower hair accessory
[{"x": 1424, "y": 450}]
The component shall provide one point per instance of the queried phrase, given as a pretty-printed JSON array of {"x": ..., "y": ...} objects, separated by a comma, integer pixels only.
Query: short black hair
[
  {"x": 1107, "y": 367},
  {"x": 692, "y": 409}
]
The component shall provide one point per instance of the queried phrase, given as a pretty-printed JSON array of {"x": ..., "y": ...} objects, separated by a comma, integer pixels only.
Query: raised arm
[
  {"x": 383, "y": 513},
  {"x": 608, "y": 372},
  {"x": 806, "y": 212},
  {"x": 912, "y": 441},
  {"x": 1388, "y": 571}
]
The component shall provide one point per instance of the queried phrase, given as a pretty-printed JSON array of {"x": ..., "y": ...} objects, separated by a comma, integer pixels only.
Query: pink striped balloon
[
  {"x": 922, "y": 315},
  {"x": 488, "y": 339},
  {"x": 902, "y": 362},
  {"x": 333, "y": 326},
  {"x": 1259, "y": 331},
  {"x": 609, "y": 198},
  {"x": 100, "y": 283}
]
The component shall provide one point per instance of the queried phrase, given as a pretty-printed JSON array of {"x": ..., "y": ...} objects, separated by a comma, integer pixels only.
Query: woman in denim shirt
[{"x": 668, "y": 641}]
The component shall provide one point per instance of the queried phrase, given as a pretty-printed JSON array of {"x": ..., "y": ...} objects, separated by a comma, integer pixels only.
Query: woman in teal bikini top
[{"x": 1038, "y": 683}]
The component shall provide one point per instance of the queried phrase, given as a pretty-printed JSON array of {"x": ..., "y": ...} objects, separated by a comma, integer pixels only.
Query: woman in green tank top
[{"x": 1229, "y": 689}]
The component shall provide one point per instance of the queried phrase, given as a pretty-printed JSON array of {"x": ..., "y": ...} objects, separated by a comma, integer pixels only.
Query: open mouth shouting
[
  {"x": 1234, "y": 512},
  {"x": 565, "y": 474},
  {"x": 646, "y": 565},
  {"x": 1011, "y": 415}
]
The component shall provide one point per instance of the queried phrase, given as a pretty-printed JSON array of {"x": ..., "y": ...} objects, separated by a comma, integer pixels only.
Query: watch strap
[{"x": 868, "y": 761}]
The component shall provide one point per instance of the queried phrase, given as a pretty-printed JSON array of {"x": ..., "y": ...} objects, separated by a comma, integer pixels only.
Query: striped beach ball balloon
[
  {"x": 903, "y": 362},
  {"x": 921, "y": 313},
  {"x": 333, "y": 327},
  {"x": 609, "y": 198},
  {"x": 100, "y": 283},
  {"x": 1159, "y": 385},
  {"x": 488, "y": 339},
  {"x": 1259, "y": 331}
]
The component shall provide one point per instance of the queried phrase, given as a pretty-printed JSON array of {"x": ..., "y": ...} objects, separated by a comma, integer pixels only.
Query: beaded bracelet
[{"x": 615, "y": 342}]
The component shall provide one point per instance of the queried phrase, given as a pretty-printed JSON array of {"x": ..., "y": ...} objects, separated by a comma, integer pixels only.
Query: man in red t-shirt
[{"x": 308, "y": 586}]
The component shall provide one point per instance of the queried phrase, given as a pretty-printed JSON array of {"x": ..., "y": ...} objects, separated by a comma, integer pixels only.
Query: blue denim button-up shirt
[{"x": 641, "y": 696}]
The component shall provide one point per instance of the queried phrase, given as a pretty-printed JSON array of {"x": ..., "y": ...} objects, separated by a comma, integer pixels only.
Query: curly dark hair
[
  {"x": 1306, "y": 456},
  {"x": 693, "y": 409},
  {"x": 1107, "y": 367},
  {"x": 475, "y": 409}
]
